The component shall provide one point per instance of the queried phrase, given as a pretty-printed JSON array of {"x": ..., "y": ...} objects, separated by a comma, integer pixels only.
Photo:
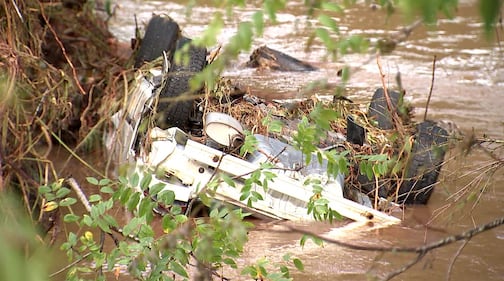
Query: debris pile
[{"x": 385, "y": 157}]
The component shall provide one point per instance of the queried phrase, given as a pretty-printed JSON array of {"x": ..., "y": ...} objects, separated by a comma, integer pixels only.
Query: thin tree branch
[
  {"x": 422, "y": 249},
  {"x": 393, "y": 111},
  {"x": 404, "y": 267},
  {"x": 431, "y": 87},
  {"x": 63, "y": 50},
  {"x": 454, "y": 258},
  {"x": 70, "y": 265}
]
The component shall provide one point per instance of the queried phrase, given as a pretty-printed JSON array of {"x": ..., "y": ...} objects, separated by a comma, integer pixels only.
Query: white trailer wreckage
[{"x": 188, "y": 166}]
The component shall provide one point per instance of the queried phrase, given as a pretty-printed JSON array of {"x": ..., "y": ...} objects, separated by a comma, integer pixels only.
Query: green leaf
[
  {"x": 167, "y": 197},
  {"x": 109, "y": 204},
  {"x": 223, "y": 212},
  {"x": 146, "y": 232},
  {"x": 132, "y": 225},
  {"x": 103, "y": 225},
  {"x": 205, "y": 199},
  {"x": 180, "y": 219},
  {"x": 68, "y": 218},
  {"x": 133, "y": 201},
  {"x": 303, "y": 239},
  {"x": 251, "y": 271},
  {"x": 44, "y": 189},
  {"x": 168, "y": 224},
  {"x": 258, "y": 20},
  {"x": 156, "y": 188},
  {"x": 135, "y": 178},
  {"x": 244, "y": 195},
  {"x": 125, "y": 195},
  {"x": 333, "y": 7},
  {"x": 107, "y": 189},
  {"x": 67, "y": 202},
  {"x": 257, "y": 195},
  {"x": 228, "y": 180},
  {"x": 110, "y": 220},
  {"x": 275, "y": 126},
  {"x": 72, "y": 238},
  {"x": 92, "y": 180},
  {"x": 145, "y": 207},
  {"x": 272, "y": 6},
  {"x": 244, "y": 35},
  {"x": 324, "y": 36},
  {"x": 345, "y": 73},
  {"x": 328, "y": 21},
  {"x": 146, "y": 180},
  {"x": 103, "y": 182},
  {"x": 50, "y": 196},
  {"x": 298, "y": 264},
  {"x": 123, "y": 180},
  {"x": 317, "y": 241},
  {"x": 112, "y": 258},
  {"x": 214, "y": 213},
  {"x": 177, "y": 268},
  {"x": 62, "y": 192},
  {"x": 231, "y": 262},
  {"x": 94, "y": 198},
  {"x": 87, "y": 220},
  {"x": 285, "y": 270}
]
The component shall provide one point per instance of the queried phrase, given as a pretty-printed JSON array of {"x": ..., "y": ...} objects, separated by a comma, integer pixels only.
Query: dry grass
[{"x": 60, "y": 80}]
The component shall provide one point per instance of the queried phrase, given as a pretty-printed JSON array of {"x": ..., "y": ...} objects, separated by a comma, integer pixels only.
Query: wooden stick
[
  {"x": 395, "y": 118},
  {"x": 431, "y": 87},
  {"x": 80, "y": 194}
]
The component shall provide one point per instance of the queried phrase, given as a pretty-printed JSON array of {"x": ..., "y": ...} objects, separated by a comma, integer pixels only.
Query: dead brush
[
  {"x": 60, "y": 80},
  {"x": 378, "y": 141}
]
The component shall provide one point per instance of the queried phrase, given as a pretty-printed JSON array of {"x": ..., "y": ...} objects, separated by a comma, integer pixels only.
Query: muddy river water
[{"x": 468, "y": 90}]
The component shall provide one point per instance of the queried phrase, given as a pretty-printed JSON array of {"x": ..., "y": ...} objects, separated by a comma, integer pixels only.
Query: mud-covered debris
[{"x": 267, "y": 58}]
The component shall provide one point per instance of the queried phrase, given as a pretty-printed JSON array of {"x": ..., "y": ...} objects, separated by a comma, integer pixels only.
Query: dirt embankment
[{"x": 60, "y": 75}]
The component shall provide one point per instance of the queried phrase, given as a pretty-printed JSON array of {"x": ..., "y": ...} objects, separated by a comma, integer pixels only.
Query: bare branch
[
  {"x": 422, "y": 249},
  {"x": 404, "y": 267},
  {"x": 431, "y": 88},
  {"x": 454, "y": 258},
  {"x": 63, "y": 50}
]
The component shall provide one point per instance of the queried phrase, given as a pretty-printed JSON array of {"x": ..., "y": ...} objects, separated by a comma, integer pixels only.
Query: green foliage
[
  {"x": 215, "y": 242},
  {"x": 273, "y": 125},
  {"x": 315, "y": 240},
  {"x": 250, "y": 144},
  {"x": 374, "y": 165},
  {"x": 281, "y": 272},
  {"x": 490, "y": 10},
  {"x": 22, "y": 255},
  {"x": 220, "y": 240},
  {"x": 318, "y": 206},
  {"x": 55, "y": 195},
  {"x": 271, "y": 7},
  {"x": 311, "y": 131},
  {"x": 258, "y": 178},
  {"x": 429, "y": 9}
]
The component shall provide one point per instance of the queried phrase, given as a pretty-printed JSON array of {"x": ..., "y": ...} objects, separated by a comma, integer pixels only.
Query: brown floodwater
[{"x": 468, "y": 90}]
